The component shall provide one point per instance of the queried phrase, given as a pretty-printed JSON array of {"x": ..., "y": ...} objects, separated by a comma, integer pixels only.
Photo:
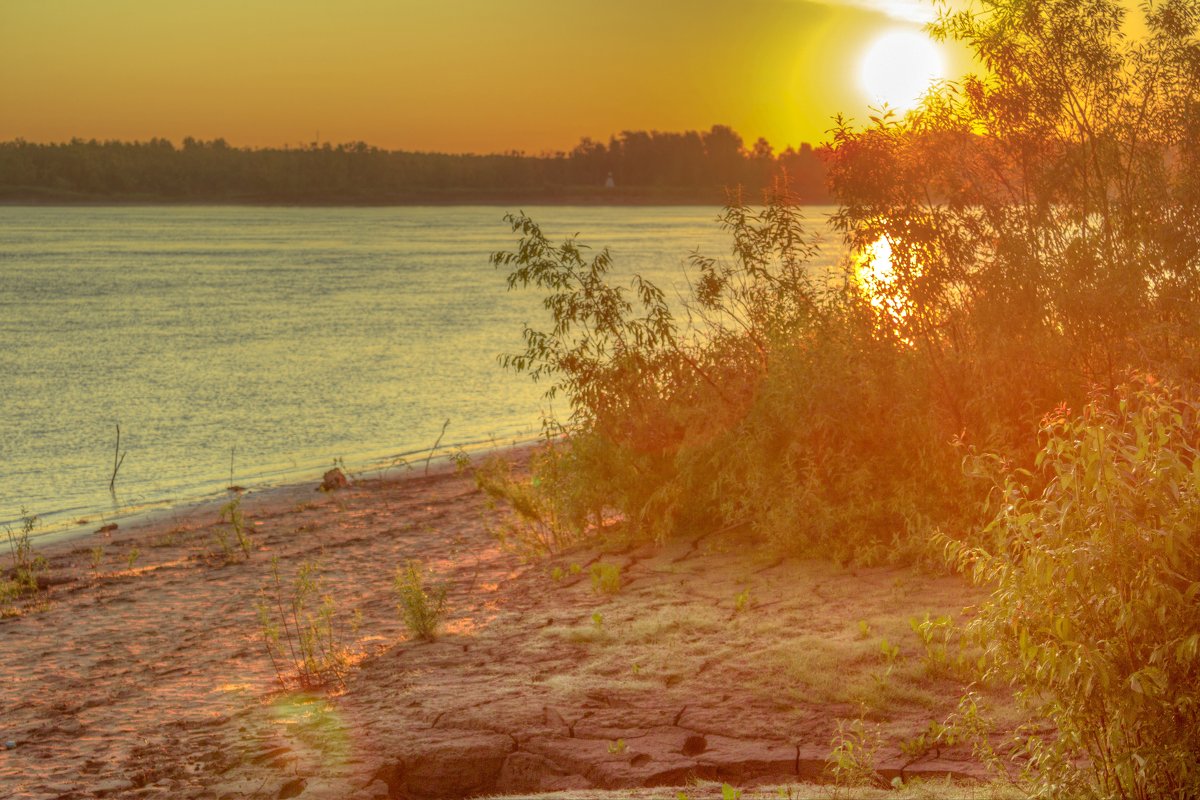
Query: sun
[{"x": 898, "y": 68}]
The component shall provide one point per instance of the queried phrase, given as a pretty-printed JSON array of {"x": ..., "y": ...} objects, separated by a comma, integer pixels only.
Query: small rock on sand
[{"x": 333, "y": 480}]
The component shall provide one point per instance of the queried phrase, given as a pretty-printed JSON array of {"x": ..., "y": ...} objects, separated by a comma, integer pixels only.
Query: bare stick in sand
[
  {"x": 117, "y": 462},
  {"x": 445, "y": 425}
]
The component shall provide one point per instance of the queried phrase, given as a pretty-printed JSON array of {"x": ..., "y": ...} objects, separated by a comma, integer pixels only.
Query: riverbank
[{"x": 140, "y": 671}]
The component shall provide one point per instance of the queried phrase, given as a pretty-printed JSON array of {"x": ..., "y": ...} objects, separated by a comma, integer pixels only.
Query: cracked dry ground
[{"x": 711, "y": 662}]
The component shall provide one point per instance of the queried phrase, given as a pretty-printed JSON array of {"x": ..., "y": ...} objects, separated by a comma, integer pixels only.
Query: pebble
[{"x": 10, "y": 745}]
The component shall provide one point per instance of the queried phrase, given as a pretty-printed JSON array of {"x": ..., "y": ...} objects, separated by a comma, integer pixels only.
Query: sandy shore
[{"x": 146, "y": 675}]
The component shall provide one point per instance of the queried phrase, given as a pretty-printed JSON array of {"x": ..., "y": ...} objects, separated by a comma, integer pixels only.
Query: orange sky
[{"x": 447, "y": 75}]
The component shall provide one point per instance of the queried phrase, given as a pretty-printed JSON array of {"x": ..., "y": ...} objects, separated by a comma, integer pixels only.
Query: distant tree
[{"x": 687, "y": 165}]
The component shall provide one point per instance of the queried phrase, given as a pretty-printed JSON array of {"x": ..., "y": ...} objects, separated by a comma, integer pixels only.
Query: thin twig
[
  {"x": 445, "y": 425},
  {"x": 117, "y": 462}
]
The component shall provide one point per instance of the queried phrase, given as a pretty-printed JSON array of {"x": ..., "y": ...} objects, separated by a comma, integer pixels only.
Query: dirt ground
[{"x": 702, "y": 663}]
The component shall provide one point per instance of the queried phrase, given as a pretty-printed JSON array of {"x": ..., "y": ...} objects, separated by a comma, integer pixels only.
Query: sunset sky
[{"x": 445, "y": 75}]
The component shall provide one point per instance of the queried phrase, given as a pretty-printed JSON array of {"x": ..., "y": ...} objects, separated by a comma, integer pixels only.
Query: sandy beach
[{"x": 141, "y": 672}]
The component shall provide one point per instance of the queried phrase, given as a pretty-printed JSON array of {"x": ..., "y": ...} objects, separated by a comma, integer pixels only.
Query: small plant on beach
[
  {"x": 852, "y": 760},
  {"x": 236, "y": 538},
  {"x": 889, "y": 652},
  {"x": 741, "y": 601},
  {"x": 132, "y": 557},
  {"x": 421, "y": 607},
  {"x": 550, "y": 508},
  {"x": 26, "y": 566},
  {"x": 929, "y": 742},
  {"x": 298, "y": 624},
  {"x": 617, "y": 747},
  {"x": 936, "y": 634},
  {"x": 461, "y": 460},
  {"x": 97, "y": 557},
  {"x": 9, "y": 591},
  {"x": 606, "y": 578}
]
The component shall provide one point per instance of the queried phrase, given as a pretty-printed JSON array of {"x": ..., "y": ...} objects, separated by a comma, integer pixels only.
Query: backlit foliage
[
  {"x": 761, "y": 405},
  {"x": 1095, "y": 556},
  {"x": 1041, "y": 220}
]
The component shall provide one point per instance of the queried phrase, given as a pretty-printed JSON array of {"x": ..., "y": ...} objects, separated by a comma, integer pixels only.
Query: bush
[
  {"x": 1095, "y": 560},
  {"x": 553, "y": 507},
  {"x": 1039, "y": 216},
  {"x": 26, "y": 566},
  {"x": 1022, "y": 236},
  {"x": 421, "y": 608},
  {"x": 232, "y": 514},
  {"x": 299, "y": 627},
  {"x": 766, "y": 409}
]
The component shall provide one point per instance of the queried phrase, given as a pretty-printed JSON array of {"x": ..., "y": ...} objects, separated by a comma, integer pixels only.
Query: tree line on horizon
[{"x": 645, "y": 166}]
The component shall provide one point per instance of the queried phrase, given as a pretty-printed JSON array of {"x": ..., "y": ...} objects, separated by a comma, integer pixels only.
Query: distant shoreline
[
  {"x": 633, "y": 168},
  {"x": 67, "y": 526}
]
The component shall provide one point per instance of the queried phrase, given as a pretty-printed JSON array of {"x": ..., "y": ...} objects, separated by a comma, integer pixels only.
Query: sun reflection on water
[
  {"x": 875, "y": 272},
  {"x": 877, "y": 276}
]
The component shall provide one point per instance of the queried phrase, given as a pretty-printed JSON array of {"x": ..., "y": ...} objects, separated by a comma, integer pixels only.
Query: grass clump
[
  {"x": 26, "y": 566},
  {"x": 421, "y": 607},
  {"x": 299, "y": 628},
  {"x": 234, "y": 541},
  {"x": 606, "y": 578}
]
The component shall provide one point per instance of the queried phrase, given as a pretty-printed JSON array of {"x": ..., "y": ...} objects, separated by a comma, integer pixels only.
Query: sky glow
[{"x": 466, "y": 76}]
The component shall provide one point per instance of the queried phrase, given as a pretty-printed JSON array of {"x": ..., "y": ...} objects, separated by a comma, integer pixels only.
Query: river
[{"x": 260, "y": 344}]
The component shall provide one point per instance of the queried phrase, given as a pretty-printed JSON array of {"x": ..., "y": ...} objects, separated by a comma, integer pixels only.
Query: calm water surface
[{"x": 284, "y": 337}]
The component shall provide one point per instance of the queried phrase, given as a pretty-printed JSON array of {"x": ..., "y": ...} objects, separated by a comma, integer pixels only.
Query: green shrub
[
  {"x": 851, "y": 763},
  {"x": 1095, "y": 562},
  {"x": 765, "y": 410},
  {"x": 26, "y": 566},
  {"x": 421, "y": 607},
  {"x": 232, "y": 515},
  {"x": 552, "y": 511},
  {"x": 606, "y": 578}
]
